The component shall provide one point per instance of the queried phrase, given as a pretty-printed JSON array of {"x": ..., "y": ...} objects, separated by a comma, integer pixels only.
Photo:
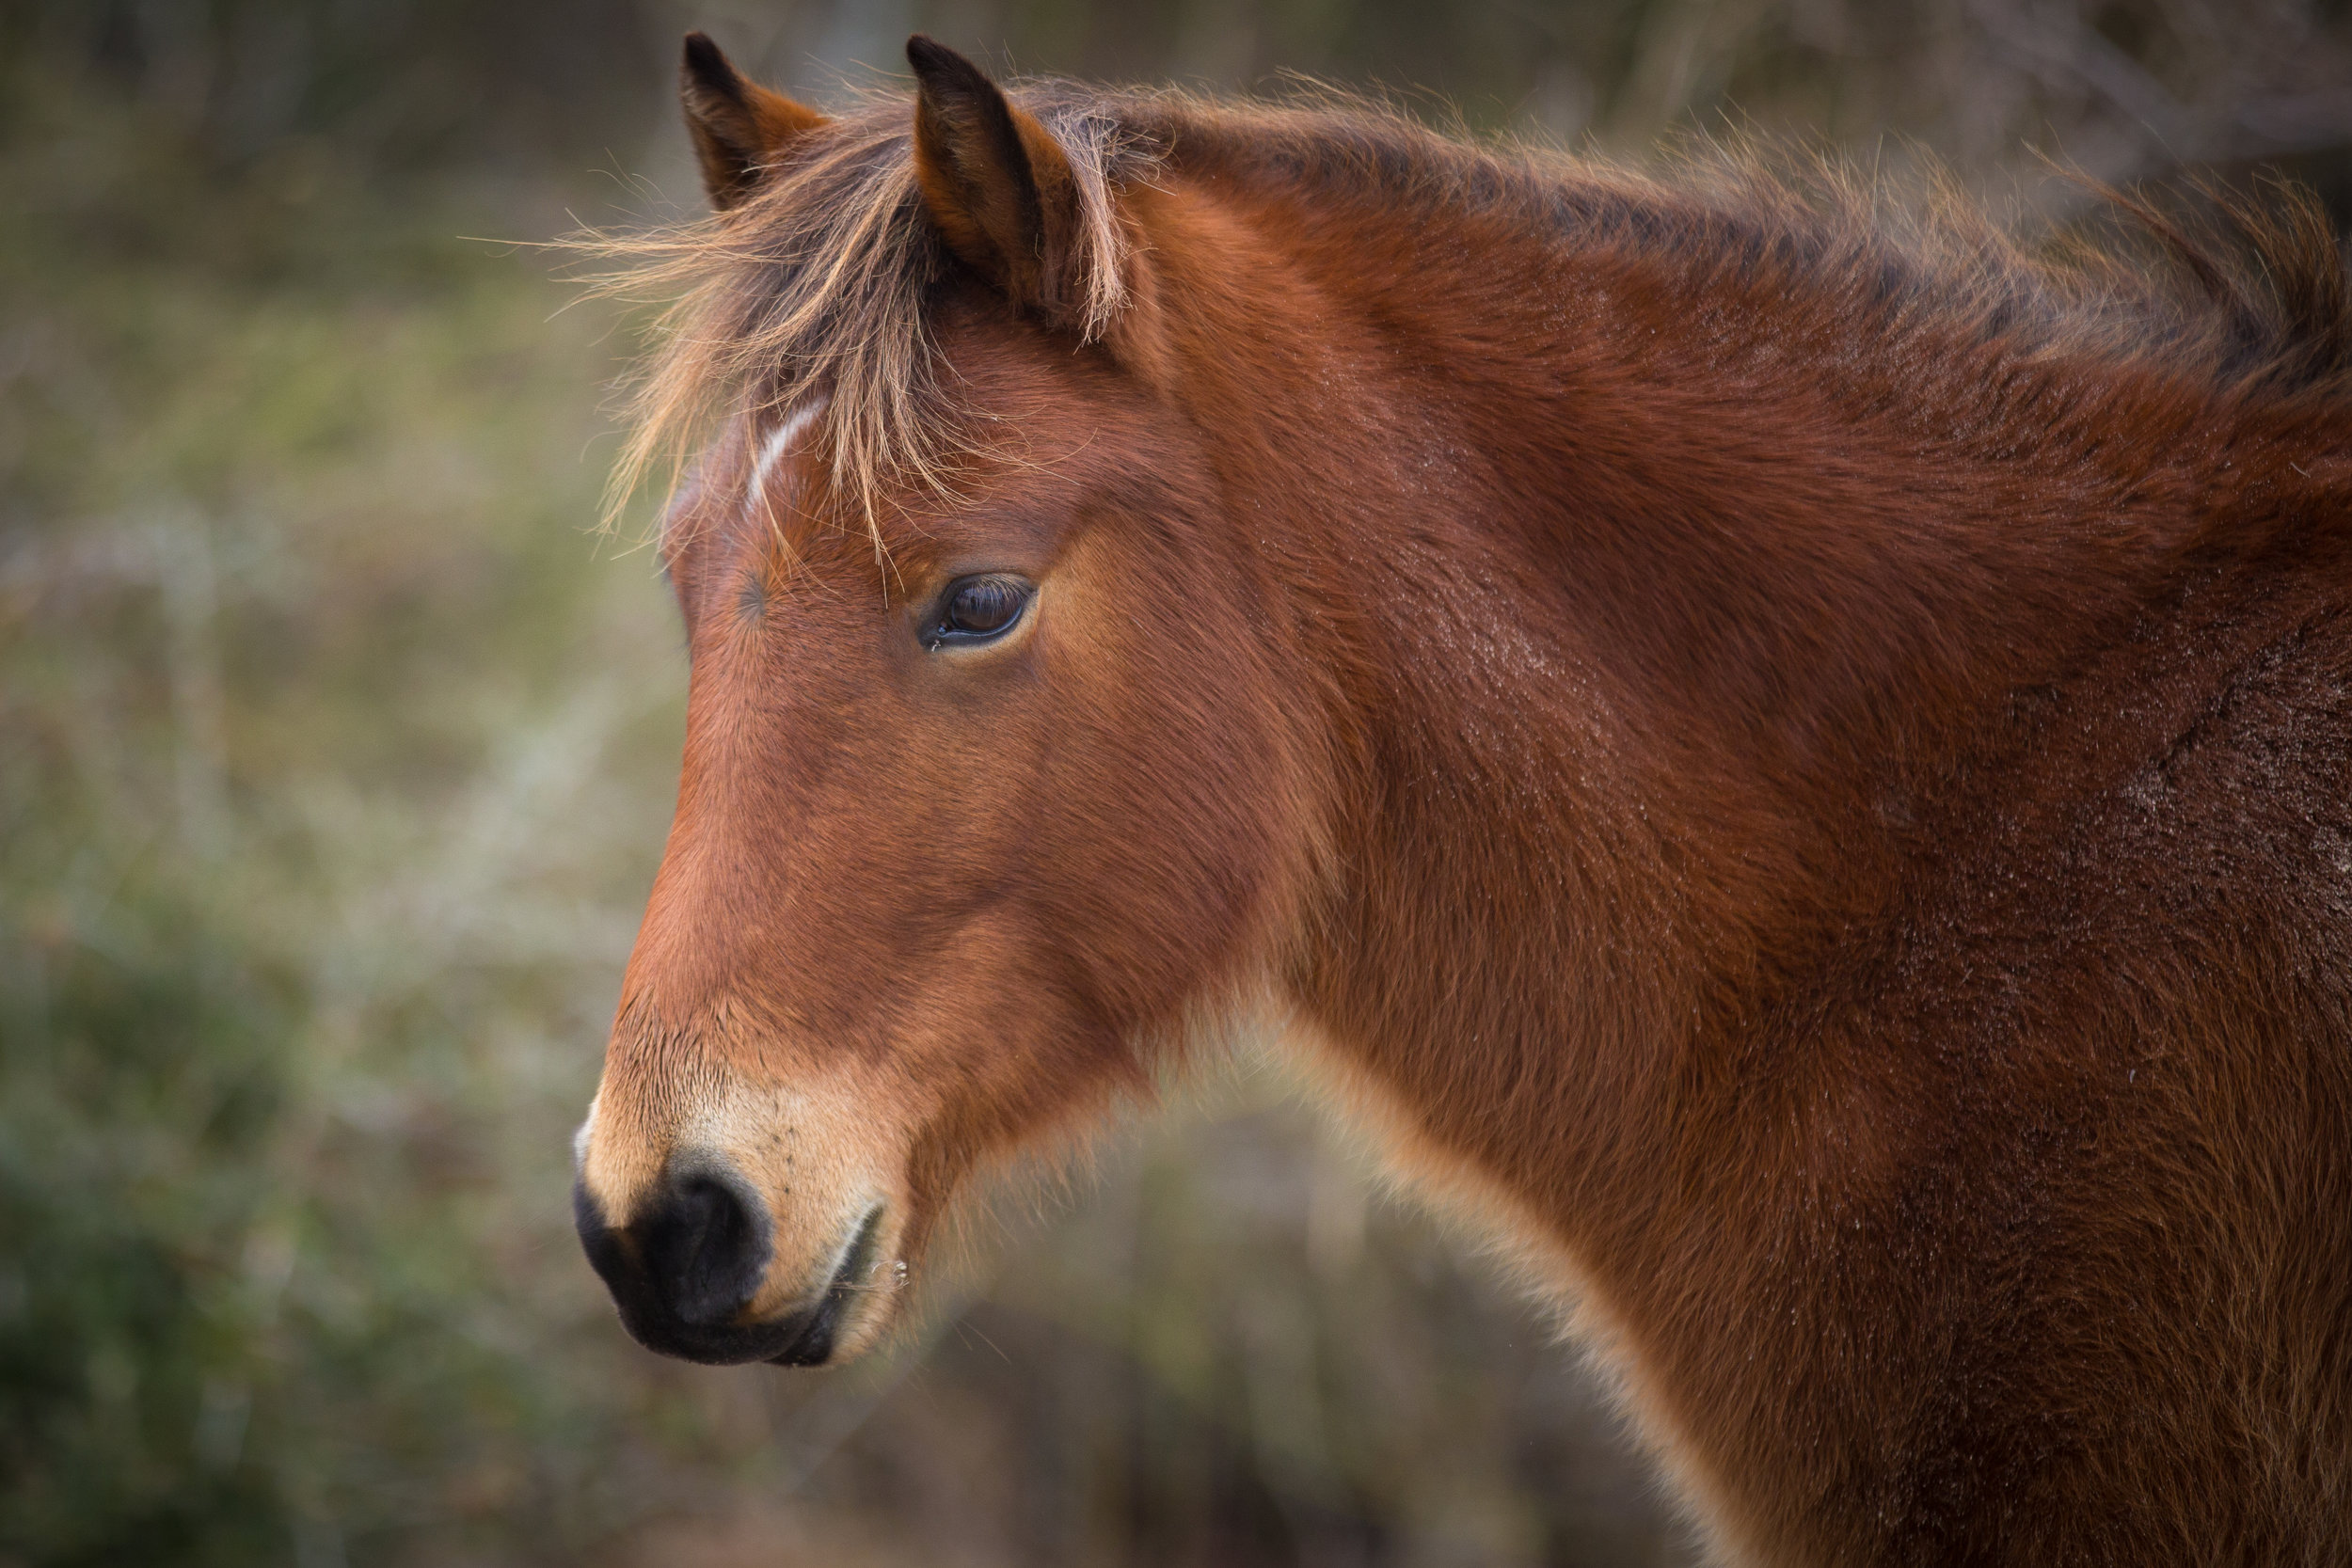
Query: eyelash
[{"x": 961, "y": 619}]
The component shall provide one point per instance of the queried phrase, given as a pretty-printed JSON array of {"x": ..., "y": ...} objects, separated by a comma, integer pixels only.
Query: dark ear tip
[
  {"x": 704, "y": 64},
  {"x": 938, "y": 66}
]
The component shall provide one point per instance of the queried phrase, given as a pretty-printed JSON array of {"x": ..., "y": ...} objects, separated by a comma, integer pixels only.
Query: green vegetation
[{"x": 330, "y": 777}]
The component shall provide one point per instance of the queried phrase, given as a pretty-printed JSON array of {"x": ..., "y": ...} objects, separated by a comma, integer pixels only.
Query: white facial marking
[
  {"x": 776, "y": 446},
  {"x": 579, "y": 1139}
]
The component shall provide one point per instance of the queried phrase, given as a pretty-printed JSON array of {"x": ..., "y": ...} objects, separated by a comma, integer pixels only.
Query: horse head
[{"x": 992, "y": 796}]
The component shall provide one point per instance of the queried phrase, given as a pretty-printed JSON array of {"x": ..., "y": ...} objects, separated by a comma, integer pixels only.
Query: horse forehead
[
  {"x": 773, "y": 464},
  {"x": 779, "y": 501}
]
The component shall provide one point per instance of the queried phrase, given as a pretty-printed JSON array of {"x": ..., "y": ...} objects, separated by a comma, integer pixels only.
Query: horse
[{"x": 1782, "y": 748}]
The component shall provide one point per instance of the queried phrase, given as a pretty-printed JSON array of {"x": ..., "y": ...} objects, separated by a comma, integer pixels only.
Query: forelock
[{"x": 817, "y": 289}]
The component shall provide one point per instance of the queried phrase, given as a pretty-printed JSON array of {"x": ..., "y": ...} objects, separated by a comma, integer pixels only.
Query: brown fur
[
  {"x": 736, "y": 124},
  {"x": 1797, "y": 751}
]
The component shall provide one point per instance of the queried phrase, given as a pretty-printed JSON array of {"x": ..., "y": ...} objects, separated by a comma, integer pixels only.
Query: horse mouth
[
  {"x": 818, "y": 1329},
  {"x": 696, "y": 1325}
]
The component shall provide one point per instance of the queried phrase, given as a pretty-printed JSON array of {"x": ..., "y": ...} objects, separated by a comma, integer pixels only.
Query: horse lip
[
  {"x": 812, "y": 1345},
  {"x": 801, "y": 1338}
]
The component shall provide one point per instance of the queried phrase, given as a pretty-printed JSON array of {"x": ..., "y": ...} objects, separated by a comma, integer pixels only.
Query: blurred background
[{"x": 336, "y": 756}]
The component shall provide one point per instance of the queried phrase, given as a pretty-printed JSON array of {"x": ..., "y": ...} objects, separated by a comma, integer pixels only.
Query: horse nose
[
  {"x": 706, "y": 1246},
  {"x": 692, "y": 1256}
]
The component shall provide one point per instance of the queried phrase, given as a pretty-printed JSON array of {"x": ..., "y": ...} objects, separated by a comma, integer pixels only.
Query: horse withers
[{"x": 1794, "y": 759}]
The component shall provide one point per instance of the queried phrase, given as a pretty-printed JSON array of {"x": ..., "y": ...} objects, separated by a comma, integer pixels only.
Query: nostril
[{"x": 706, "y": 1246}]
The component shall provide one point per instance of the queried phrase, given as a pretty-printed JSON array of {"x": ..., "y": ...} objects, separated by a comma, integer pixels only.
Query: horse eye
[{"x": 977, "y": 609}]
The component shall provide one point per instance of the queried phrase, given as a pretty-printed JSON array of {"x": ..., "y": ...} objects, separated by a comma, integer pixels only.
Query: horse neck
[{"x": 1656, "y": 617}]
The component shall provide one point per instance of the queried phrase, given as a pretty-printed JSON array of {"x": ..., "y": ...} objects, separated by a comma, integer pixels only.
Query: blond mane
[{"x": 820, "y": 285}]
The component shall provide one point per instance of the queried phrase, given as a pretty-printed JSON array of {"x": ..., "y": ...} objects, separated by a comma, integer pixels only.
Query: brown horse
[{"x": 1795, "y": 758}]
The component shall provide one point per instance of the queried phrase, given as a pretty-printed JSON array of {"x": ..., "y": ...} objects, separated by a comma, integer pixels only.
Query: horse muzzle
[{"x": 689, "y": 1265}]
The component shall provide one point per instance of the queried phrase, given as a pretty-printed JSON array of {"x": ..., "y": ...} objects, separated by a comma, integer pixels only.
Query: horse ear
[
  {"x": 740, "y": 127},
  {"x": 998, "y": 188}
]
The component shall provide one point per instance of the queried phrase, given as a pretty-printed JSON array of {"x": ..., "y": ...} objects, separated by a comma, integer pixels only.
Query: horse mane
[
  {"x": 821, "y": 284},
  {"x": 818, "y": 285}
]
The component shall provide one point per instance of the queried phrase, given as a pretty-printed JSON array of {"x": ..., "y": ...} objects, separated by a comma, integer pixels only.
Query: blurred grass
[
  {"x": 335, "y": 759},
  {"x": 330, "y": 780}
]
